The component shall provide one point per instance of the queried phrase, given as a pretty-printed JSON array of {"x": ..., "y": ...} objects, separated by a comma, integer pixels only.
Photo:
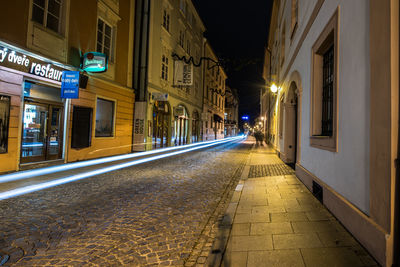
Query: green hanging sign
[{"x": 94, "y": 62}]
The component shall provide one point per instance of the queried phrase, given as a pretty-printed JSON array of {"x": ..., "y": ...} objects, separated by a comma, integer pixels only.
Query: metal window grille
[{"x": 327, "y": 92}]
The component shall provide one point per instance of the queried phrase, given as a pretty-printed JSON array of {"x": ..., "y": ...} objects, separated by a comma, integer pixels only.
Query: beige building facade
[
  {"x": 39, "y": 40},
  {"x": 214, "y": 96},
  {"x": 231, "y": 115},
  {"x": 335, "y": 114},
  {"x": 169, "y": 112}
]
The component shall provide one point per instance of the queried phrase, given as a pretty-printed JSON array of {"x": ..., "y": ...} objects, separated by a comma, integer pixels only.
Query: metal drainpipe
[
  {"x": 396, "y": 231},
  {"x": 269, "y": 96},
  {"x": 141, "y": 42},
  {"x": 140, "y": 53}
]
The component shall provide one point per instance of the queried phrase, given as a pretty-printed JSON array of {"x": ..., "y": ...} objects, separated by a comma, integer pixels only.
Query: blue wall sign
[
  {"x": 94, "y": 62},
  {"x": 70, "y": 84}
]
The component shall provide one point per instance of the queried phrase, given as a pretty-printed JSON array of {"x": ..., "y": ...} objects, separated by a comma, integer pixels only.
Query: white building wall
[{"x": 346, "y": 171}]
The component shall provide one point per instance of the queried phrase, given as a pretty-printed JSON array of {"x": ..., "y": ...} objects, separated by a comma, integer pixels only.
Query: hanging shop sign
[
  {"x": 159, "y": 96},
  {"x": 11, "y": 58},
  {"x": 183, "y": 73},
  {"x": 70, "y": 84},
  {"x": 94, "y": 62}
]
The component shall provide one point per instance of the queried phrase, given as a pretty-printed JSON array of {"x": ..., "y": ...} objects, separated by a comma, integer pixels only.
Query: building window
[
  {"x": 166, "y": 20},
  {"x": 324, "y": 90},
  {"x": 105, "y": 110},
  {"x": 4, "y": 122},
  {"x": 105, "y": 39},
  {"x": 188, "y": 47},
  {"x": 182, "y": 6},
  {"x": 283, "y": 40},
  {"x": 81, "y": 127},
  {"x": 47, "y": 13},
  {"x": 295, "y": 14},
  {"x": 182, "y": 38},
  {"x": 164, "y": 68},
  {"x": 282, "y": 107},
  {"x": 327, "y": 92}
]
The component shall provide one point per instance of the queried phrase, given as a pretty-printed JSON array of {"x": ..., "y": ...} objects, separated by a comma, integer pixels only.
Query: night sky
[{"x": 237, "y": 31}]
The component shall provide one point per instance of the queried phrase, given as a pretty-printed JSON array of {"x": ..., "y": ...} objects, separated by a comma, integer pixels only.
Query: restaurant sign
[
  {"x": 94, "y": 62},
  {"x": 10, "y": 58}
]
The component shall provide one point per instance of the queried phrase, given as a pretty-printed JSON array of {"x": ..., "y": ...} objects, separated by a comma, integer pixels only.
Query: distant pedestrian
[{"x": 259, "y": 137}]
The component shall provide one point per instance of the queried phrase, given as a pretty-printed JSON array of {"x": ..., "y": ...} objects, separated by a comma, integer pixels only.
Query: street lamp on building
[{"x": 274, "y": 88}]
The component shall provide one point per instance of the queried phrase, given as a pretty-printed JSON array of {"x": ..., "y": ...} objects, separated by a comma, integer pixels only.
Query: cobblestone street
[{"x": 162, "y": 212}]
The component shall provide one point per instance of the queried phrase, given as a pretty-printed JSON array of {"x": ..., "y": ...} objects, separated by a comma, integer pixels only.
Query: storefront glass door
[{"x": 42, "y": 132}]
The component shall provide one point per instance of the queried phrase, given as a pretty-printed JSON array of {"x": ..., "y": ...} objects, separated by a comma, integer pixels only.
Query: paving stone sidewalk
[{"x": 274, "y": 220}]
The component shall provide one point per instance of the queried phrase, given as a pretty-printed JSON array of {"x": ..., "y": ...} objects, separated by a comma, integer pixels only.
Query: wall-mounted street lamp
[{"x": 274, "y": 88}]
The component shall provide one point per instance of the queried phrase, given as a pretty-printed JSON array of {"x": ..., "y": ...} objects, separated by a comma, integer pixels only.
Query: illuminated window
[
  {"x": 47, "y": 13},
  {"x": 105, "y": 110},
  {"x": 4, "y": 122},
  {"x": 164, "y": 68},
  {"x": 105, "y": 39},
  {"x": 166, "y": 20}
]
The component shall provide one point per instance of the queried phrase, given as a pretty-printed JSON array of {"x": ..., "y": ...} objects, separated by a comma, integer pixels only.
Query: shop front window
[
  {"x": 4, "y": 122},
  {"x": 105, "y": 118}
]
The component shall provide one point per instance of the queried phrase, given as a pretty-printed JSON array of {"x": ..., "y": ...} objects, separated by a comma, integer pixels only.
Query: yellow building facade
[{"x": 38, "y": 41}]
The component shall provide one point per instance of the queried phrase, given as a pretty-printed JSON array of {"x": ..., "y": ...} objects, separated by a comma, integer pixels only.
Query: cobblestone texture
[
  {"x": 269, "y": 170},
  {"x": 160, "y": 213}
]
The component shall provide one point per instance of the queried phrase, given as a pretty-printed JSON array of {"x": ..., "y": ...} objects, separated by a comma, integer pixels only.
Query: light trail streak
[
  {"x": 70, "y": 166},
  {"x": 45, "y": 185}
]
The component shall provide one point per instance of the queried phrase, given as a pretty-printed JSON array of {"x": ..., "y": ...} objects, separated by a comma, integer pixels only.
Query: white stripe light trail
[
  {"x": 70, "y": 166},
  {"x": 41, "y": 186}
]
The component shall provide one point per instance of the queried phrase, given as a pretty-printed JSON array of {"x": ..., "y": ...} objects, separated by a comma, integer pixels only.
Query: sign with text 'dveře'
[
  {"x": 70, "y": 84},
  {"x": 24, "y": 61}
]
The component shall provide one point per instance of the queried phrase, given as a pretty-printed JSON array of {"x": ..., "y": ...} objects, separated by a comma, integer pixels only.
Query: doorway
[
  {"x": 291, "y": 132},
  {"x": 42, "y": 132},
  {"x": 195, "y": 127},
  {"x": 161, "y": 118},
  {"x": 181, "y": 125}
]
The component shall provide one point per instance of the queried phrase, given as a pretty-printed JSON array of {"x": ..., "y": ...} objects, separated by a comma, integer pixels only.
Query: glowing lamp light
[{"x": 274, "y": 88}]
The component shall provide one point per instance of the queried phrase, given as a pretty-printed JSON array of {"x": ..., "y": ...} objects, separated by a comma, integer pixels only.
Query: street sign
[{"x": 70, "y": 84}]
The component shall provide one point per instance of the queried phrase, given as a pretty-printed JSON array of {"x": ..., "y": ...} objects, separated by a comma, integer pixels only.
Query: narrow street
[
  {"x": 155, "y": 213},
  {"x": 235, "y": 204}
]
